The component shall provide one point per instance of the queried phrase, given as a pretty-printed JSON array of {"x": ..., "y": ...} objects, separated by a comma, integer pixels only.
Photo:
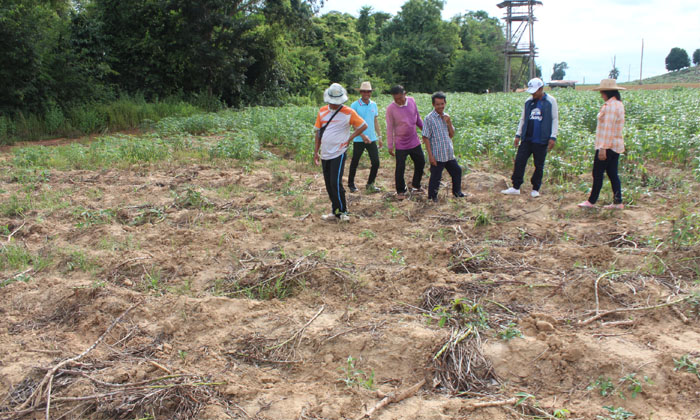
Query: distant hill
[{"x": 689, "y": 75}]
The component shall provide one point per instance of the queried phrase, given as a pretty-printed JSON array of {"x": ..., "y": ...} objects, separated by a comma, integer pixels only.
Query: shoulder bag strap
[{"x": 323, "y": 129}]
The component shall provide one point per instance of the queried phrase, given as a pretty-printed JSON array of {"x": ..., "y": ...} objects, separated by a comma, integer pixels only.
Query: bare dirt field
[{"x": 215, "y": 292}]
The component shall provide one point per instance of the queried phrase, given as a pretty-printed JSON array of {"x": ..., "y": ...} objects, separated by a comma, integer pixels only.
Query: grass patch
[{"x": 18, "y": 257}]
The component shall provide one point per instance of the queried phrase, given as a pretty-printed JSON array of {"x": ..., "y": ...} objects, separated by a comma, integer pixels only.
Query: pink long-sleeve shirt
[{"x": 401, "y": 123}]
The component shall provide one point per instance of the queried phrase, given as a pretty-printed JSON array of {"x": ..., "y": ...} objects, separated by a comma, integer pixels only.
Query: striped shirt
[
  {"x": 611, "y": 120},
  {"x": 435, "y": 129},
  {"x": 335, "y": 138}
]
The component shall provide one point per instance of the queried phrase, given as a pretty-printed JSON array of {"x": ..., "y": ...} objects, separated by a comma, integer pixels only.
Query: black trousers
[
  {"x": 333, "y": 175},
  {"x": 357, "y": 148},
  {"x": 539, "y": 153},
  {"x": 609, "y": 166},
  {"x": 418, "y": 159},
  {"x": 436, "y": 176}
]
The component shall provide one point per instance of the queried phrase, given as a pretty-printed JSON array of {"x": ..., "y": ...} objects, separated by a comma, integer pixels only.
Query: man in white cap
[
  {"x": 538, "y": 127},
  {"x": 367, "y": 109},
  {"x": 332, "y": 129}
]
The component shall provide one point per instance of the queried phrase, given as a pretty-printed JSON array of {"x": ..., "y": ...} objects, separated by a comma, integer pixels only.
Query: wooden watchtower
[{"x": 520, "y": 12}]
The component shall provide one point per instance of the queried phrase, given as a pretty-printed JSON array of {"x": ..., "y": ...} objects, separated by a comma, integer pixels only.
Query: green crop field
[{"x": 661, "y": 126}]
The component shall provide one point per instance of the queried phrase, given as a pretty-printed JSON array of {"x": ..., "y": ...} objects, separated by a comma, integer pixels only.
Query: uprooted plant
[{"x": 264, "y": 278}]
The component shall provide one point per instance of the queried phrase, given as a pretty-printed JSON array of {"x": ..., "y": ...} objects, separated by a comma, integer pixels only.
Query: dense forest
[{"x": 61, "y": 56}]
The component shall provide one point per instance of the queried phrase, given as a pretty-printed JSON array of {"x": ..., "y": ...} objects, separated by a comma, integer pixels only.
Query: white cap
[{"x": 534, "y": 85}]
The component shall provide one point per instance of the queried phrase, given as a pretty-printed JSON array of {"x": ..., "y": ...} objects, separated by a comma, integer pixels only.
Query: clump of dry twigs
[
  {"x": 434, "y": 296},
  {"x": 256, "y": 348},
  {"x": 77, "y": 393},
  {"x": 464, "y": 260},
  {"x": 459, "y": 364},
  {"x": 77, "y": 387},
  {"x": 266, "y": 278}
]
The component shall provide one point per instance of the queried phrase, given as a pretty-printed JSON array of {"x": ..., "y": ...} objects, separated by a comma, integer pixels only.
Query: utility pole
[{"x": 641, "y": 63}]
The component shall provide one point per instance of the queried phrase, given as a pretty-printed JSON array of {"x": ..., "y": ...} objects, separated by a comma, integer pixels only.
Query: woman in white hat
[
  {"x": 332, "y": 128},
  {"x": 609, "y": 144}
]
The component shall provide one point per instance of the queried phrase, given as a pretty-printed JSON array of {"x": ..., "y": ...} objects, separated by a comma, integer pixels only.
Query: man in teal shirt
[{"x": 368, "y": 111}]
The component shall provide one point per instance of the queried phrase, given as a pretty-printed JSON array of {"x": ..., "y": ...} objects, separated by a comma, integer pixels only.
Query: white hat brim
[{"x": 339, "y": 100}]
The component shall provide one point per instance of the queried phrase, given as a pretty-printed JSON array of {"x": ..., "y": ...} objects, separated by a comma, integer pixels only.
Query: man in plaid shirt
[{"x": 437, "y": 136}]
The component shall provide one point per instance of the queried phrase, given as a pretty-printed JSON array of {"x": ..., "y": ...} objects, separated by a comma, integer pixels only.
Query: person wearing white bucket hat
[
  {"x": 538, "y": 127},
  {"x": 367, "y": 109},
  {"x": 609, "y": 144},
  {"x": 332, "y": 136}
]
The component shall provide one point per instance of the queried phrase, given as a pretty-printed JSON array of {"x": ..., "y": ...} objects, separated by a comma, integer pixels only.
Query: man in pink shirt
[{"x": 402, "y": 118}]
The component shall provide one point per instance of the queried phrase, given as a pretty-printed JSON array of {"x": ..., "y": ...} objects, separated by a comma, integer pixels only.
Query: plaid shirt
[
  {"x": 435, "y": 129},
  {"x": 608, "y": 133}
]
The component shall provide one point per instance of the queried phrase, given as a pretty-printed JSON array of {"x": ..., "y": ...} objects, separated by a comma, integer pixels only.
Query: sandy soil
[{"x": 192, "y": 246}]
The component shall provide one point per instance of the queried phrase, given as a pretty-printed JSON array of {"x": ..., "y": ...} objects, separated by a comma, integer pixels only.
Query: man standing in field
[
  {"x": 402, "y": 118},
  {"x": 438, "y": 132},
  {"x": 367, "y": 109},
  {"x": 332, "y": 138},
  {"x": 538, "y": 128}
]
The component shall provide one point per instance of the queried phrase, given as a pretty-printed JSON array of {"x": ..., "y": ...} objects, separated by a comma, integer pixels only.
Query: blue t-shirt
[
  {"x": 534, "y": 132},
  {"x": 367, "y": 112}
]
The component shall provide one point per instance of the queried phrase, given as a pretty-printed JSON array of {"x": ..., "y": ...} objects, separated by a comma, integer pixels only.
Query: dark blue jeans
[
  {"x": 539, "y": 153},
  {"x": 357, "y": 148},
  {"x": 436, "y": 176},
  {"x": 333, "y": 175},
  {"x": 609, "y": 166}
]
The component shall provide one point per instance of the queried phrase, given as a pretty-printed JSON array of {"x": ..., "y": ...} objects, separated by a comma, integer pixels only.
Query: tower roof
[{"x": 517, "y": 3}]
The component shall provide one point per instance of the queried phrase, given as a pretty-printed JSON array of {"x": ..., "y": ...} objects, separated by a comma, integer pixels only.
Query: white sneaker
[
  {"x": 510, "y": 191},
  {"x": 344, "y": 218},
  {"x": 328, "y": 217},
  {"x": 535, "y": 194}
]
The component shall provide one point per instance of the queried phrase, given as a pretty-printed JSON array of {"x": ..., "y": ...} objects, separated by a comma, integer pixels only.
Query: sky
[{"x": 587, "y": 34}]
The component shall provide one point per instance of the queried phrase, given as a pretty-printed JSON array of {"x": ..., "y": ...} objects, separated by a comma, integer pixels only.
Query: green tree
[
  {"x": 478, "y": 66},
  {"x": 337, "y": 39},
  {"x": 677, "y": 59},
  {"x": 559, "y": 70},
  {"x": 473, "y": 71},
  {"x": 614, "y": 73},
  {"x": 417, "y": 47},
  {"x": 696, "y": 57},
  {"x": 230, "y": 49}
]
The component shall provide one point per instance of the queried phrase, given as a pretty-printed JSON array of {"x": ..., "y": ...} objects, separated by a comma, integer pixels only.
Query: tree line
[{"x": 59, "y": 54}]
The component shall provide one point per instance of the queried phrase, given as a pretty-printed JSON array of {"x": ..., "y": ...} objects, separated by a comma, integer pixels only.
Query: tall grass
[{"x": 122, "y": 114}]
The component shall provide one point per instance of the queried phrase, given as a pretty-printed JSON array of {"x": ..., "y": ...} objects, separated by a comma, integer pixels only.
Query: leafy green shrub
[
  {"x": 191, "y": 199},
  {"x": 241, "y": 145},
  {"x": 31, "y": 157}
]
